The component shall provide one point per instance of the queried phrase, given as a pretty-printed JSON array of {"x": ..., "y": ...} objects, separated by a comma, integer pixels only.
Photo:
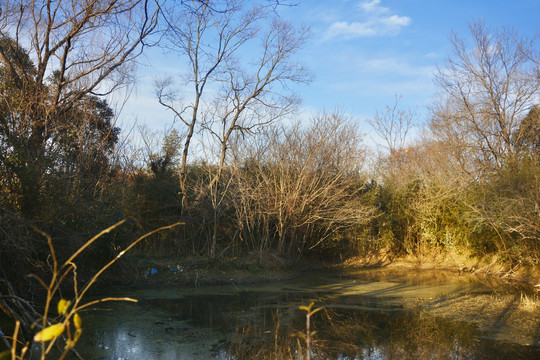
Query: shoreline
[
  {"x": 509, "y": 312},
  {"x": 505, "y": 314},
  {"x": 200, "y": 271},
  {"x": 524, "y": 279}
]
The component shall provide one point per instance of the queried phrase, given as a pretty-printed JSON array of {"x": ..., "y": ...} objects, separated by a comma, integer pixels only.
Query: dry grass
[
  {"x": 489, "y": 267},
  {"x": 530, "y": 303}
]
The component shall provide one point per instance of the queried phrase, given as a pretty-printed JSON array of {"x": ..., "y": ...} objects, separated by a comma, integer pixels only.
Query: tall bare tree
[
  {"x": 487, "y": 89},
  {"x": 235, "y": 84},
  {"x": 393, "y": 127}
]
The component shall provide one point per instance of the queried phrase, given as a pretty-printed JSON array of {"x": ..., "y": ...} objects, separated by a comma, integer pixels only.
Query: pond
[{"x": 367, "y": 314}]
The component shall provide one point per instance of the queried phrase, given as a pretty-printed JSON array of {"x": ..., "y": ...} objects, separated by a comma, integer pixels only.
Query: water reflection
[
  {"x": 357, "y": 333},
  {"x": 357, "y": 323}
]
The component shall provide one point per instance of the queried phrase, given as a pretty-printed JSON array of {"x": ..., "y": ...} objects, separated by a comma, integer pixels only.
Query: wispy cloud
[
  {"x": 382, "y": 74},
  {"x": 397, "y": 67},
  {"x": 373, "y": 6},
  {"x": 353, "y": 29},
  {"x": 377, "y": 20}
]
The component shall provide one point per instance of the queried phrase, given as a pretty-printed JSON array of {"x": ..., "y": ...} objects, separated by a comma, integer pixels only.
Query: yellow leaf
[
  {"x": 307, "y": 308},
  {"x": 77, "y": 321},
  {"x": 49, "y": 333},
  {"x": 63, "y": 305},
  {"x": 78, "y": 333},
  {"x": 71, "y": 343}
]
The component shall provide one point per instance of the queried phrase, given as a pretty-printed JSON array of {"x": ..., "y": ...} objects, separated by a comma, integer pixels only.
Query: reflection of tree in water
[
  {"x": 393, "y": 335},
  {"x": 265, "y": 325},
  {"x": 351, "y": 334}
]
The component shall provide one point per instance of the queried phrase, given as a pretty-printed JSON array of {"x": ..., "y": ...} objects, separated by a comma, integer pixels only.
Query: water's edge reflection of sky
[{"x": 365, "y": 316}]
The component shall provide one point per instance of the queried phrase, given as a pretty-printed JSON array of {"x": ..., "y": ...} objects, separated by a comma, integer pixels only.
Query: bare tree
[
  {"x": 229, "y": 94},
  {"x": 393, "y": 127},
  {"x": 487, "y": 89}
]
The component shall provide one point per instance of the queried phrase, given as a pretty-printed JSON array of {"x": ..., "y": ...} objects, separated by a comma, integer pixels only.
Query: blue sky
[{"x": 363, "y": 52}]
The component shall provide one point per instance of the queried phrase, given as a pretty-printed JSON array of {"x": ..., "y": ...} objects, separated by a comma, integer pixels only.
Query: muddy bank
[
  {"x": 140, "y": 269},
  {"x": 137, "y": 269},
  {"x": 487, "y": 269},
  {"x": 500, "y": 309}
]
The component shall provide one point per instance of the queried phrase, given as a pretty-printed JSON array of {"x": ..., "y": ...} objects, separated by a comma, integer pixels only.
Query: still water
[{"x": 366, "y": 315}]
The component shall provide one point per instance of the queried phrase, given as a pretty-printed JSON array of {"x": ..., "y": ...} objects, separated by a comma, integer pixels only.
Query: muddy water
[{"x": 367, "y": 315}]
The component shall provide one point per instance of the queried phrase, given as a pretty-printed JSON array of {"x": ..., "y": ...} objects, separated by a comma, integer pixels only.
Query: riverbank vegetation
[{"x": 241, "y": 167}]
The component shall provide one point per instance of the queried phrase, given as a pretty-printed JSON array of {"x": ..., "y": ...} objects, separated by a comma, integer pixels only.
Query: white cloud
[
  {"x": 384, "y": 75},
  {"x": 373, "y": 6},
  {"x": 353, "y": 29},
  {"x": 395, "y": 21},
  {"x": 396, "y": 67},
  {"x": 377, "y": 22}
]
